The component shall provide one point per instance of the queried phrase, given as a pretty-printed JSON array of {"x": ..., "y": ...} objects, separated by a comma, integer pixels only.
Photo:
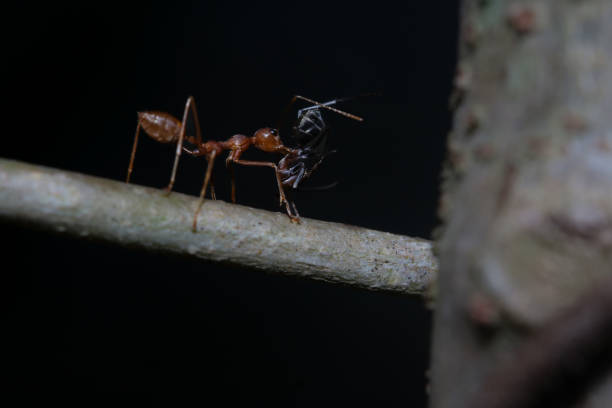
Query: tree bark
[{"x": 526, "y": 203}]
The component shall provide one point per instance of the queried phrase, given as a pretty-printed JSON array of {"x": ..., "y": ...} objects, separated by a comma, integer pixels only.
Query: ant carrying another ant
[{"x": 309, "y": 135}]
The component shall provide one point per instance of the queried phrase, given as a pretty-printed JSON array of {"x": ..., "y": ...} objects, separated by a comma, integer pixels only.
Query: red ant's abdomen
[{"x": 161, "y": 126}]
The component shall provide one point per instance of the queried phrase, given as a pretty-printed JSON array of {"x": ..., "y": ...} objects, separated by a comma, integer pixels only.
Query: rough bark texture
[
  {"x": 527, "y": 199},
  {"x": 139, "y": 216}
]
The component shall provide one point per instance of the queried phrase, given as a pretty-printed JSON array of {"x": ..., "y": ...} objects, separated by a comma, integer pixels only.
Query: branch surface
[{"x": 144, "y": 217}]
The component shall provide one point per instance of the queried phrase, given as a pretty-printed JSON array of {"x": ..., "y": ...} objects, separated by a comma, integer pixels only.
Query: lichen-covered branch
[{"x": 144, "y": 217}]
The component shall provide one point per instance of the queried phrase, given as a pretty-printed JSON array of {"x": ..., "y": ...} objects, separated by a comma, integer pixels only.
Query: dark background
[{"x": 90, "y": 323}]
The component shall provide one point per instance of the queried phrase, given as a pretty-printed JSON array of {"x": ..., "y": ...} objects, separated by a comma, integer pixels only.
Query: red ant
[{"x": 296, "y": 165}]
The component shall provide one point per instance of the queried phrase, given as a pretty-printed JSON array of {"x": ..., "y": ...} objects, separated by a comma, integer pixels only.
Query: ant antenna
[
  {"x": 338, "y": 100},
  {"x": 326, "y": 106}
]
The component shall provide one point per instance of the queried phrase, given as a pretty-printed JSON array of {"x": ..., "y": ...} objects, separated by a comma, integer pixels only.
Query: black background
[{"x": 91, "y": 323}]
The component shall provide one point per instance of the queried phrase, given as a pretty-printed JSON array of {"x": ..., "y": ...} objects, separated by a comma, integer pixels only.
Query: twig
[{"x": 138, "y": 216}]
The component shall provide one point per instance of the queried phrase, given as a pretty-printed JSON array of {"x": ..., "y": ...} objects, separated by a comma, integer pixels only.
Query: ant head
[{"x": 268, "y": 140}]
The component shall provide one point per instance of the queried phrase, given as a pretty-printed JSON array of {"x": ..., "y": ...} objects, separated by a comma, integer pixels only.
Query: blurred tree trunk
[{"x": 527, "y": 198}]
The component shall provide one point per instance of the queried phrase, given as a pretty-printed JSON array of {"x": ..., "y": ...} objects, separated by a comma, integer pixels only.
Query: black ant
[{"x": 309, "y": 134}]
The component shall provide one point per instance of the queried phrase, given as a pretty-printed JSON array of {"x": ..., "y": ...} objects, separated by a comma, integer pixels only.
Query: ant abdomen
[{"x": 161, "y": 126}]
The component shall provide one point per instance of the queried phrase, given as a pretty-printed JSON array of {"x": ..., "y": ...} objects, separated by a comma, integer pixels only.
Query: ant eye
[{"x": 273, "y": 131}]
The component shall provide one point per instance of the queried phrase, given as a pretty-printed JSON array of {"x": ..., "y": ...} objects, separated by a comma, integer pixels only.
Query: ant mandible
[{"x": 296, "y": 165}]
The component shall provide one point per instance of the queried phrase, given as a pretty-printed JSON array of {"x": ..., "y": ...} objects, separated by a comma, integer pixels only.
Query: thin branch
[{"x": 131, "y": 215}]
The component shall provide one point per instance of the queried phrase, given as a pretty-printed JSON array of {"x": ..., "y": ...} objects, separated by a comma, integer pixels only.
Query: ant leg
[
  {"x": 281, "y": 190},
  {"x": 196, "y": 121},
  {"x": 189, "y": 106},
  {"x": 129, "y": 171},
  {"x": 212, "y": 190},
  {"x": 297, "y": 214},
  {"x": 230, "y": 168},
  {"x": 294, "y": 215},
  {"x": 212, "y": 185},
  {"x": 211, "y": 161}
]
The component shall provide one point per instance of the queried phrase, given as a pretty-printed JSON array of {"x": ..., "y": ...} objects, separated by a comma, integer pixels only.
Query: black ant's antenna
[
  {"x": 316, "y": 105},
  {"x": 326, "y": 106}
]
